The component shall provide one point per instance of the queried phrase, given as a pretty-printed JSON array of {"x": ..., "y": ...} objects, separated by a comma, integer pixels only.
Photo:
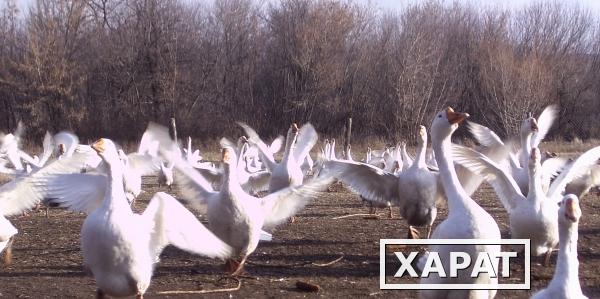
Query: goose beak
[
  {"x": 572, "y": 210},
  {"x": 455, "y": 117},
  {"x": 534, "y": 126},
  {"x": 226, "y": 155},
  {"x": 294, "y": 128},
  {"x": 99, "y": 146}
]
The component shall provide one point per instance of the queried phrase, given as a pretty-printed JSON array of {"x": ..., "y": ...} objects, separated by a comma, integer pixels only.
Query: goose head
[
  {"x": 446, "y": 122},
  {"x": 528, "y": 126},
  {"x": 569, "y": 211},
  {"x": 106, "y": 149}
]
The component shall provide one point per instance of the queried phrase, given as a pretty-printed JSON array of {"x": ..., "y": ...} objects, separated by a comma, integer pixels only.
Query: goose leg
[
  {"x": 240, "y": 267},
  {"x": 413, "y": 233},
  {"x": 231, "y": 266},
  {"x": 47, "y": 209},
  {"x": 429, "y": 231},
  {"x": 139, "y": 296},
  {"x": 8, "y": 252},
  {"x": 391, "y": 212}
]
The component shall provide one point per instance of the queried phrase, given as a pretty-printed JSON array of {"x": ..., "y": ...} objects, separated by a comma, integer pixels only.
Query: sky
[{"x": 387, "y": 5}]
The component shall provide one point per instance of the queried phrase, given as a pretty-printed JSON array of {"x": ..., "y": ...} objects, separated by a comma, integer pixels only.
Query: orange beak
[
  {"x": 455, "y": 117},
  {"x": 534, "y": 126},
  {"x": 226, "y": 156},
  {"x": 294, "y": 127},
  {"x": 99, "y": 145},
  {"x": 572, "y": 210}
]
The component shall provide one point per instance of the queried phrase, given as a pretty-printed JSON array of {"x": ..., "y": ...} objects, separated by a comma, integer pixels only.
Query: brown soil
[{"x": 47, "y": 259}]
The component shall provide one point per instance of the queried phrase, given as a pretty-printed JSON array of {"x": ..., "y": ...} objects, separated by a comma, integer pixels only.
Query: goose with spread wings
[
  {"x": 288, "y": 171},
  {"x": 119, "y": 247},
  {"x": 234, "y": 215},
  {"x": 415, "y": 190},
  {"x": 532, "y": 216}
]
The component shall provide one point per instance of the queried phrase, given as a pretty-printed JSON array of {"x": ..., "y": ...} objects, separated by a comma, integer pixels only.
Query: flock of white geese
[{"x": 121, "y": 248}]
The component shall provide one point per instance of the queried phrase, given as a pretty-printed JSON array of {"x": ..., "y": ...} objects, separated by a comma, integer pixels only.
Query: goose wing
[
  {"x": 367, "y": 180},
  {"x": 145, "y": 164},
  {"x": 48, "y": 146},
  {"x": 173, "y": 224},
  {"x": 505, "y": 186},
  {"x": 193, "y": 185},
  {"x": 307, "y": 138},
  {"x": 25, "y": 192},
  {"x": 277, "y": 144},
  {"x": 575, "y": 169},
  {"x": 544, "y": 123},
  {"x": 80, "y": 192},
  {"x": 284, "y": 203},
  {"x": 551, "y": 168},
  {"x": 265, "y": 154},
  {"x": 484, "y": 135}
]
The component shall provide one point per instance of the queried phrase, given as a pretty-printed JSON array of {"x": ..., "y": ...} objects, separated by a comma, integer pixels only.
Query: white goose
[
  {"x": 565, "y": 283},
  {"x": 466, "y": 219},
  {"x": 415, "y": 190},
  {"x": 531, "y": 217},
  {"x": 531, "y": 134},
  {"x": 235, "y": 216},
  {"x": 120, "y": 247},
  {"x": 298, "y": 144}
]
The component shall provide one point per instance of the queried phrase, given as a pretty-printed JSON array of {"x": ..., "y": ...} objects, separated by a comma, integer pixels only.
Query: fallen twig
[
  {"x": 355, "y": 215},
  {"x": 329, "y": 263},
  {"x": 297, "y": 264},
  {"x": 239, "y": 284}
]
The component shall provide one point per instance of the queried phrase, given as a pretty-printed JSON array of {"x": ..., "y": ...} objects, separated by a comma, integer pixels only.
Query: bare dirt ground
[{"x": 47, "y": 259}]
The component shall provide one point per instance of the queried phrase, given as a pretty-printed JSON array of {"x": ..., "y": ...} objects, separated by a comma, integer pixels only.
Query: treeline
[{"x": 107, "y": 67}]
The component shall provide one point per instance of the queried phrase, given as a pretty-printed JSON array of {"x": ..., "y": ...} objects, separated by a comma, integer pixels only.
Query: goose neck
[
  {"x": 455, "y": 194},
  {"x": 535, "y": 182},
  {"x": 525, "y": 148},
  {"x": 289, "y": 147},
  {"x": 567, "y": 265},
  {"x": 421, "y": 153},
  {"x": 115, "y": 197}
]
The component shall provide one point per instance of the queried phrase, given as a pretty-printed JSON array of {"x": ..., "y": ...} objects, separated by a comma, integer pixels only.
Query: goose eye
[{"x": 439, "y": 115}]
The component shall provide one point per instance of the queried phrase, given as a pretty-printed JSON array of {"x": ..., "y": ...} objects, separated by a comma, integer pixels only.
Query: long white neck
[
  {"x": 115, "y": 198},
  {"x": 525, "y": 149},
  {"x": 567, "y": 265},
  {"x": 456, "y": 195},
  {"x": 289, "y": 148},
  {"x": 421, "y": 153},
  {"x": 536, "y": 191}
]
